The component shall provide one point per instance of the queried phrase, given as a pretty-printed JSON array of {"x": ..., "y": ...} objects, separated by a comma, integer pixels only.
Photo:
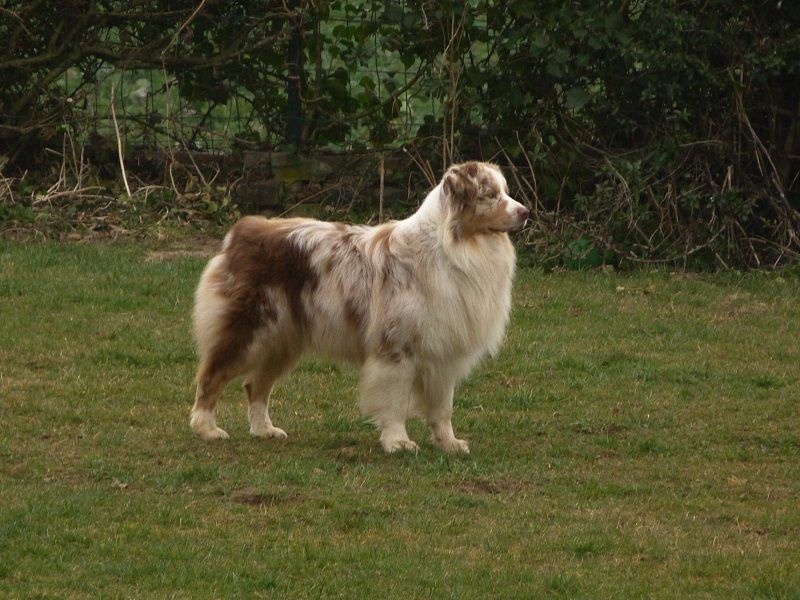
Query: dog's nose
[{"x": 523, "y": 213}]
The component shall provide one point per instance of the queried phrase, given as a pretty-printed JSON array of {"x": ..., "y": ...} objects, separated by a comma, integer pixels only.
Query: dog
[{"x": 416, "y": 303}]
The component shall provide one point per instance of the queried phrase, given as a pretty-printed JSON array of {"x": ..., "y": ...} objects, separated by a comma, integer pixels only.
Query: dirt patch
[
  {"x": 492, "y": 487},
  {"x": 607, "y": 429},
  {"x": 253, "y": 497},
  {"x": 199, "y": 247},
  {"x": 167, "y": 255},
  {"x": 739, "y": 305}
]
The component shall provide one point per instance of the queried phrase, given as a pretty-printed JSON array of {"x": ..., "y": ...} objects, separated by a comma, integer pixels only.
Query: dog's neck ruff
[{"x": 434, "y": 222}]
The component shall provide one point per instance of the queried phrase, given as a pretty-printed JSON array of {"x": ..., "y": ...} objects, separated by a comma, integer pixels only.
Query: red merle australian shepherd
[{"x": 416, "y": 303}]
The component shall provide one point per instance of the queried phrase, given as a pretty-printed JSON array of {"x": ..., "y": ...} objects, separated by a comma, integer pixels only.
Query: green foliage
[
  {"x": 666, "y": 131},
  {"x": 582, "y": 254},
  {"x": 662, "y": 126}
]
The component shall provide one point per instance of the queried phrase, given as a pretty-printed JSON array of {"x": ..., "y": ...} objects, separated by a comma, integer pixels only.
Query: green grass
[{"x": 638, "y": 436}]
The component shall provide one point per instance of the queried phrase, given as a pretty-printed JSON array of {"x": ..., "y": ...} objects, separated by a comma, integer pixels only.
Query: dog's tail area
[
  {"x": 209, "y": 306},
  {"x": 222, "y": 340}
]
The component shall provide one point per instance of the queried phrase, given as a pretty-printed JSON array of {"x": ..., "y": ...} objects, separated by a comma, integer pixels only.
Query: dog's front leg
[
  {"x": 437, "y": 404},
  {"x": 386, "y": 399}
]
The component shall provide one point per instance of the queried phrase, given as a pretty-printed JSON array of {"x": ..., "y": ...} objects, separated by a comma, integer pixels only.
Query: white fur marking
[{"x": 204, "y": 424}]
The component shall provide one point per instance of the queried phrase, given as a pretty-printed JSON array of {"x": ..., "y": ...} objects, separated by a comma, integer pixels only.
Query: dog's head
[{"x": 475, "y": 196}]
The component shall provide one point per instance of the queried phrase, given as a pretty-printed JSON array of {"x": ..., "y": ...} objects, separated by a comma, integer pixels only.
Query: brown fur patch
[
  {"x": 460, "y": 186},
  {"x": 260, "y": 256}
]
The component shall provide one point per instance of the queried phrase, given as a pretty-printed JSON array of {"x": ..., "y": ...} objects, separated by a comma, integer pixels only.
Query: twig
[
  {"x": 5, "y": 181},
  {"x": 425, "y": 167},
  {"x": 19, "y": 19},
  {"x": 380, "y": 198},
  {"x": 535, "y": 186},
  {"x": 120, "y": 151},
  {"x": 791, "y": 214},
  {"x": 309, "y": 197},
  {"x": 82, "y": 192},
  {"x": 512, "y": 166},
  {"x": 181, "y": 139},
  {"x": 183, "y": 26}
]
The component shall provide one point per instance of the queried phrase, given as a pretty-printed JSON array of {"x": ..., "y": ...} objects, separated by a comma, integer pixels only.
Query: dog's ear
[
  {"x": 459, "y": 185},
  {"x": 459, "y": 195}
]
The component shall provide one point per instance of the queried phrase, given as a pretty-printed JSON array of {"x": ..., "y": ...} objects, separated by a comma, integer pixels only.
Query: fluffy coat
[{"x": 416, "y": 303}]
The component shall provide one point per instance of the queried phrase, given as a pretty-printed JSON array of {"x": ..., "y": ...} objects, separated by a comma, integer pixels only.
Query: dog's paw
[
  {"x": 396, "y": 445},
  {"x": 204, "y": 425},
  {"x": 212, "y": 434},
  {"x": 268, "y": 431},
  {"x": 459, "y": 446},
  {"x": 453, "y": 445}
]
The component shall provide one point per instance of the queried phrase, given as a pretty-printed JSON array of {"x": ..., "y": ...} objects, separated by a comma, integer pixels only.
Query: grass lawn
[{"x": 639, "y": 435}]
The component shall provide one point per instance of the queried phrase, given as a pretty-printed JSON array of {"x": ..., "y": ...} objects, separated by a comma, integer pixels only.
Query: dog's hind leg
[
  {"x": 258, "y": 386},
  {"x": 386, "y": 388},
  {"x": 218, "y": 365},
  {"x": 211, "y": 379}
]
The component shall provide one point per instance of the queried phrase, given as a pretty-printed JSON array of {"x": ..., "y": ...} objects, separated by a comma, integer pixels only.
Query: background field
[{"x": 639, "y": 435}]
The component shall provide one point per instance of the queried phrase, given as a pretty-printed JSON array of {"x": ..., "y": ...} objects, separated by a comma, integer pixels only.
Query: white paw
[
  {"x": 460, "y": 446},
  {"x": 395, "y": 445},
  {"x": 453, "y": 445},
  {"x": 268, "y": 431},
  {"x": 212, "y": 434},
  {"x": 204, "y": 424}
]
